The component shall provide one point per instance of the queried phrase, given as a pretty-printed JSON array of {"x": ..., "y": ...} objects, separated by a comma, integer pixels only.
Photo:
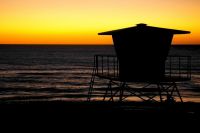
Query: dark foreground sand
[
  {"x": 99, "y": 114},
  {"x": 84, "y": 117},
  {"x": 188, "y": 110}
]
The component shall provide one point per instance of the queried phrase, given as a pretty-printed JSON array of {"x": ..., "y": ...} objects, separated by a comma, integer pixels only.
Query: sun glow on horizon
[{"x": 79, "y": 22}]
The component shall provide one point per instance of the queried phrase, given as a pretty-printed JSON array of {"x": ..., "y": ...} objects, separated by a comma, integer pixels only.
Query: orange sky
[{"x": 79, "y": 21}]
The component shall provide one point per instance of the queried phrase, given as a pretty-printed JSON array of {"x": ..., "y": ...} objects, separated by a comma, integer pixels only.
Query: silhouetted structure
[{"x": 142, "y": 52}]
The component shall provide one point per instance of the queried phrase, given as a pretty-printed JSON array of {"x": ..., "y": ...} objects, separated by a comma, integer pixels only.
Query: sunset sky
[{"x": 79, "y": 21}]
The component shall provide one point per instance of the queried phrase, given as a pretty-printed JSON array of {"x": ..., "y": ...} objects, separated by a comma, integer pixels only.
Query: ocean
[{"x": 41, "y": 73}]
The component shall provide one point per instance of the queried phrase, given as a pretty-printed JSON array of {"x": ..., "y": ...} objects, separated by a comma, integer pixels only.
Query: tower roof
[{"x": 144, "y": 27}]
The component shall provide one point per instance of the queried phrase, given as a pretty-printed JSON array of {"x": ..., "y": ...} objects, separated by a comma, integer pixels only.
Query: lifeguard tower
[{"x": 141, "y": 60}]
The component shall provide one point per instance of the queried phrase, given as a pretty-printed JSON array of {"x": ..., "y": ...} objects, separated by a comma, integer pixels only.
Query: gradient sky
[{"x": 79, "y": 21}]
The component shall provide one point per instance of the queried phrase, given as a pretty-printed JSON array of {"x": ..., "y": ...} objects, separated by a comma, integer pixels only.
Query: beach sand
[
  {"x": 99, "y": 116},
  {"x": 141, "y": 110}
]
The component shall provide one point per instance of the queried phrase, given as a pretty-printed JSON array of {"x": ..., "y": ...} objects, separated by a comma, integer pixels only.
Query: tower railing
[
  {"x": 178, "y": 67},
  {"x": 175, "y": 66},
  {"x": 106, "y": 66}
]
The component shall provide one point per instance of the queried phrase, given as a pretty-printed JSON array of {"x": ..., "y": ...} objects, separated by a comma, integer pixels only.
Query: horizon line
[{"x": 86, "y": 44}]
